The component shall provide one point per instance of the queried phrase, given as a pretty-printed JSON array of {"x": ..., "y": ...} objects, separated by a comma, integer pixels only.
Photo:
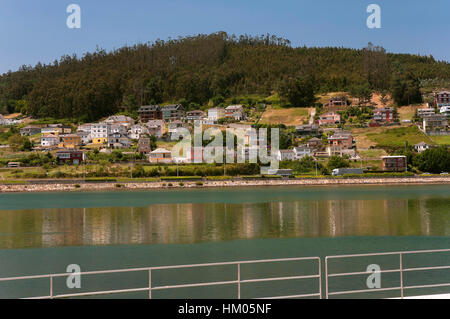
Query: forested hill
[{"x": 196, "y": 69}]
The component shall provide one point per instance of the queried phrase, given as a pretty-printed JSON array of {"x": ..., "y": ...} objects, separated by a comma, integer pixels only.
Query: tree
[
  {"x": 337, "y": 162},
  {"x": 406, "y": 90},
  {"x": 299, "y": 92},
  {"x": 433, "y": 160}
]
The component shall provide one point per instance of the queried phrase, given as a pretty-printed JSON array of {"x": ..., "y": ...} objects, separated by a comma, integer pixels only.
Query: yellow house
[
  {"x": 71, "y": 141},
  {"x": 99, "y": 140}
]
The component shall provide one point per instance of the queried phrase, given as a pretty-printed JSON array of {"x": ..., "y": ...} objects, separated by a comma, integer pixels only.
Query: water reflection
[{"x": 193, "y": 223}]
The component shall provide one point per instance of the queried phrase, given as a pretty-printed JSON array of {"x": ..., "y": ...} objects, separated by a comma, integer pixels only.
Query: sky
[{"x": 35, "y": 31}]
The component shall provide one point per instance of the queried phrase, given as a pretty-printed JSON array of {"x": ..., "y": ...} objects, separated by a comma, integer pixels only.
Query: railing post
[
  {"x": 320, "y": 278},
  {"x": 239, "y": 281},
  {"x": 149, "y": 284},
  {"x": 401, "y": 274},
  {"x": 326, "y": 277},
  {"x": 51, "y": 287}
]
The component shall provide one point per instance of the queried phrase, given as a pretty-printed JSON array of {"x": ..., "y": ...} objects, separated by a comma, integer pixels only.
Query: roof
[
  {"x": 172, "y": 107},
  {"x": 421, "y": 144},
  {"x": 397, "y": 156},
  {"x": 160, "y": 150},
  {"x": 146, "y": 108},
  {"x": 234, "y": 107}
]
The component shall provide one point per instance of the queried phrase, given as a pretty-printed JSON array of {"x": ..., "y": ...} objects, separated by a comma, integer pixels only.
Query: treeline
[{"x": 198, "y": 68}]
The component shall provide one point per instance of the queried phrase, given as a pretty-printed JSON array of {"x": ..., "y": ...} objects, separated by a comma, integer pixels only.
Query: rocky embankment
[{"x": 54, "y": 187}]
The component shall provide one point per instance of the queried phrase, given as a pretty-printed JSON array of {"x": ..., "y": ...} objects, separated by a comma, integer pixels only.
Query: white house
[
  {"x": 216, "y": 114},
  {"x": 302, "y": 151},
  {"x": 421, "y": 147},
  {"x": 100, "y": 132},
  {"x": 235, "y": 111},
  {"x": 2, "y": 120},
  {"x": 286, "y": 155},
  {"x": 49, "y": 140},
  {"x": 136, "y": 131}
]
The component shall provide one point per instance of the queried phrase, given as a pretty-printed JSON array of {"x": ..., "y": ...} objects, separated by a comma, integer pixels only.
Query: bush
[{"x": 199, "y": 183}]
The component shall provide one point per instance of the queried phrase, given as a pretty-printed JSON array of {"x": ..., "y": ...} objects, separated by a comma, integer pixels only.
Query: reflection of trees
[{"x": 192, "y": 223}]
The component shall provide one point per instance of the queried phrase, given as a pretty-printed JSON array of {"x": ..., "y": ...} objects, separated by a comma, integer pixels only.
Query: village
[{"x": 326, "y": 133}]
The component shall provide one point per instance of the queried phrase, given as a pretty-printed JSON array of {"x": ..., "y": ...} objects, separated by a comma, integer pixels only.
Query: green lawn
[
  {"x": 397, "y": 137},
  {"x": 441, "y": 140}
]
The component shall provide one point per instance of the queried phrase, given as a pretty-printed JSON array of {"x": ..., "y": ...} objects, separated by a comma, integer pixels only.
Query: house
[
  {"x": 173, "y": 112},
  {"x": 144, "y": 144},
  {"x": 340, "y": 143},
  {"x": 216, "y": 114},
  {"x": 87, "y": 127},
  {"x": 175, "y": 125},
  {"x": 383, "y": 115},
  {"x": 434, "y": 123},
  {"x": 302, "y": 151},
  {"x": 3, "y": 121},
  {"x": 85, "y": 137},
  {"x": 196, "y": 115},
  {"x": 136, "y": 131},
  {"x": 71, "y": 141},
  {"x": 30, "y": 130},
  {"x": 118, "y": 140},
  {"x": 14, "y": 164},
  {"x": 307, "y": 130},
  {"x": 118, "y": 128},
  {"x": 280, "y": 172},
  {"x": 337, "y": 101},
  {"x": 123, "y": 120},
  {"x": 445, "y": 110},
  {"x": 421, "y": 147},
  {"x": 442, "y": 99},
  {"x": 149, "y": 112},
  {"x": 330, "y": 118},
  {"x": 56, "y": 129},
  {"x": 49, "y": 140},
  {"x": 235, "y": 112},
  {"x": 70, "y": 156},
  {"x": 425, "y": 112},
  {"x": 160, "y": 155},
  {"x": 286, "y": 155},
  {"x": 156, "y": 127},
  {"x": 100, "y": 132},
  {"x": 315, "y": 143},
  {"x": 394, "y": 163}
]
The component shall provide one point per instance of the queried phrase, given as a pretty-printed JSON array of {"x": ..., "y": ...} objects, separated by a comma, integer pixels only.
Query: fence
[
  {"x": 239, "y": 281},
  {"x": 401, "y": 271}
]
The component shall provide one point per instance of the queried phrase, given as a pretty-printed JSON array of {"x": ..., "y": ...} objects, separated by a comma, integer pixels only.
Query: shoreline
[{"x": 127, "y": 186}]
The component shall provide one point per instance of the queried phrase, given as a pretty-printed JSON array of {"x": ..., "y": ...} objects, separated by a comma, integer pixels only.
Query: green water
[{"x": 44, "y": 232}]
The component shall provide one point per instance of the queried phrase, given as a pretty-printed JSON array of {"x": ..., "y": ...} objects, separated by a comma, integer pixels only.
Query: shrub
[{"x": 199, "y": 183}]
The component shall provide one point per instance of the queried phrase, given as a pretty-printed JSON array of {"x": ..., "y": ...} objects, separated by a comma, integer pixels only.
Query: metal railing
[
  {"x": 150, "y": 288},
  {"x": 401, "y": 270}
]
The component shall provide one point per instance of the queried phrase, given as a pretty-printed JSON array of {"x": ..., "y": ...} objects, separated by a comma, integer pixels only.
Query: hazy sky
[{"x": 33, "y": 31}]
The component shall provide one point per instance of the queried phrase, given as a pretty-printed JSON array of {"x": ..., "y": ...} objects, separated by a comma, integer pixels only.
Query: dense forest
[{"x": 198, "y": 68}]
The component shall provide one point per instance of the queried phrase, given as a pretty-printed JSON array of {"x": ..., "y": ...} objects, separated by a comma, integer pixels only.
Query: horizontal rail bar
[
  {"x": 100, "y": 272},
  {"x": 361, "y": 273},
  {"x": 278, "y": 278},
  {"x": 364, "y": 290},
  {"x": 427, "y": 268},
  {"x": 427, "y": 286},
  {"x": 390, "y": 253},
  {"x": 292, "y": 296},
  {"x": 216, "y": 283},
  {"x": 104, "y": 292}
]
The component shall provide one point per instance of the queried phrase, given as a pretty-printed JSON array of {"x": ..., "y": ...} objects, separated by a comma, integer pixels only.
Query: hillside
[{"x": 196, "y": 69}]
